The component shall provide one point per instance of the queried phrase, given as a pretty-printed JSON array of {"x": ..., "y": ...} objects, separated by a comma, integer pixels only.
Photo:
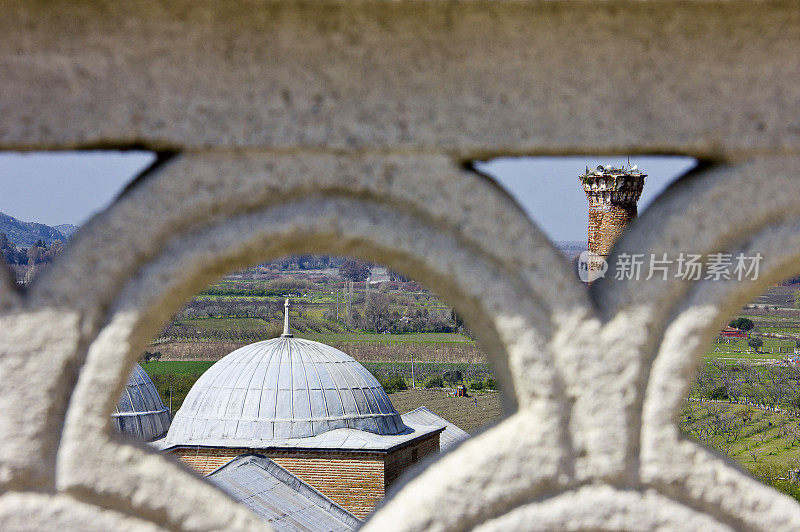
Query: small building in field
[
  {"x": 731, "y": 334},
  {"x": 308, "y": 407}
]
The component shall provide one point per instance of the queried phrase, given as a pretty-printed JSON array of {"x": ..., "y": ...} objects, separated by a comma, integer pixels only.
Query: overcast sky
[
  {"x": 56, "y": 188},
  {"x": 548, "y": 190},
  {"x": 65, "y": 187}
]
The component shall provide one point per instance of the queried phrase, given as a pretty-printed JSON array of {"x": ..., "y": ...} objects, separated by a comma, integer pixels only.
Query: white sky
[{"x": 68, "y": 187}]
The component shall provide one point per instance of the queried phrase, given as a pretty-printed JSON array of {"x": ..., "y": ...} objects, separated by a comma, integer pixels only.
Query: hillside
[
  {"x": 571, "y": 248},
  {"x": 25, "y": 234},
  {"x": 66, "y": 229}
]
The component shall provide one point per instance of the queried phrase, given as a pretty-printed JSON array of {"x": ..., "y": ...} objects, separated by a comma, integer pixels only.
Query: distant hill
[
  {"x": 571, "y": 248},
  {"x": 66, "y": 229},
  {"x": 571, "y": 245},
  {"x": 25, "y": 234}
]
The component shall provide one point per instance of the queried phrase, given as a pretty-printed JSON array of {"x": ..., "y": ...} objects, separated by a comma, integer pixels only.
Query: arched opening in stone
[
  {"x": 327, "y": 372},
  {"x": 145, "y": 293}
]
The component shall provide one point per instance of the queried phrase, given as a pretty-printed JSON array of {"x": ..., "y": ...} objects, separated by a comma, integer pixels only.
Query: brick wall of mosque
[
  {"x": 356, "y": 481},
  {"x": 353, "y": 480},
  {"x": 204, "y": 460},
  {"x": 400, "y": 460}
]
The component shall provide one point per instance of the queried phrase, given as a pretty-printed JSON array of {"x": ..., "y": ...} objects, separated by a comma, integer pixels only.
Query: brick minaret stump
[{"x": 613, "y": 194}]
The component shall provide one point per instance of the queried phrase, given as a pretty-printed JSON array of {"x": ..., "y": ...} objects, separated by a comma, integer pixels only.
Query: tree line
[
  {"x": 382, "y": 315},
  {"x": 769, "y": 385},
  {"x": 39, "y": 253}
]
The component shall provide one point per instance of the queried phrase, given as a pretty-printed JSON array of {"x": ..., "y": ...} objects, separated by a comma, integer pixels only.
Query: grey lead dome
[
  {"x": 139, "y": 411},
  {"x": 278, "y": 389}
]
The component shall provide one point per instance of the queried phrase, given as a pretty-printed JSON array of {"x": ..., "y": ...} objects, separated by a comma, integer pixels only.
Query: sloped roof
[
  {"x": 139, "y": 411},
  {"x": 277, "y": 496},
  {"x": 337, "y": 439},
  {"x": 422, "y": 416},
  {"x": 279, "y": 389}
]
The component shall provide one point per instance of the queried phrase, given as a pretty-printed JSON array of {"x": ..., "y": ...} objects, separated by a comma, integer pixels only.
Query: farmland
[
  {"x": 461, "y": 411},
  {"x": 365, "y": 315},
  {"x": 403, "y": 334},
  {"x": 173, "y": 379},
  {"x": 745, "y": 401},
  {"x": 419, "y": 349},
  {"x": 765, "y": 443}
]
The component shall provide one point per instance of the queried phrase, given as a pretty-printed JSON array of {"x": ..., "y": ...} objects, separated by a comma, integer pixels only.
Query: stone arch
[
  {"x": 496, "y": 301},
  {"x": 444, "y": 82},
  {"x": 689, "y": 314}
]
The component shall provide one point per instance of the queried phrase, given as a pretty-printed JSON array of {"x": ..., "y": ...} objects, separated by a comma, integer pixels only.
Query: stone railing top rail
[{"x": 347, "y": 128}]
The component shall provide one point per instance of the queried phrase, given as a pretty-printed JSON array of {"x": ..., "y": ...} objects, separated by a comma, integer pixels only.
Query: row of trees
[
  {"x": 234, "y": 308},
  {"x": 720, "y": 428},
  {"x": 39, "y": 253},
  {"x": 304, "y": 262},
  {"x": 762, "y": 385},
  {"x": 380, "y": 317}
]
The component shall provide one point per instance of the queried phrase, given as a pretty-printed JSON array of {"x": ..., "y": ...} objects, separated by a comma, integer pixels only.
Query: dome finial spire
[{"x": 286, "y": 333}]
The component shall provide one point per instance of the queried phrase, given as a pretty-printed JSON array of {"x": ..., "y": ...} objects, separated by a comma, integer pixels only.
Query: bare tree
[
  {"x": 731, "y": 377},
  {"x": 753, "y": 453}
]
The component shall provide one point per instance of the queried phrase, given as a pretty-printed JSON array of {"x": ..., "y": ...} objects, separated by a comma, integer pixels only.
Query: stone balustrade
[{"x": 348, "y": 127}]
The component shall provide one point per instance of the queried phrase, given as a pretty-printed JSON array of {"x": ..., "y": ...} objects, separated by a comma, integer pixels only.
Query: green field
[
  {"x": 763, "y": 318},
  {"x": 174, "y": 379},
  {"x": 780, "y": 330},
  {"x": 189, "y": 367},
  {"x": 765, "y": 443},
  {"x": 772, "y": 349}
]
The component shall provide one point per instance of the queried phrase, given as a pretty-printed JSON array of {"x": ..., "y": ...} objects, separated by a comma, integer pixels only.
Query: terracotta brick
[
  {"x": 356, "y": 480},
  {"x": 612, "y": 206}
]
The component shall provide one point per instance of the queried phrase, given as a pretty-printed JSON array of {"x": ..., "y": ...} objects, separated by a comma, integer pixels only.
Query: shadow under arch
[{"x": 500, "y": 308}]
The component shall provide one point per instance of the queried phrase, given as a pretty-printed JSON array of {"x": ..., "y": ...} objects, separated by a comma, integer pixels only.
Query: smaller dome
[
  {"x": 140, "y": 412},
  {"x": 282, "y": 388}
]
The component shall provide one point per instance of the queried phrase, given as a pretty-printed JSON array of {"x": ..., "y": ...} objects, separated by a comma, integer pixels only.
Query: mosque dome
[
  {"x": 139, "y": 411},
  {"x": 280, "y": 389}
]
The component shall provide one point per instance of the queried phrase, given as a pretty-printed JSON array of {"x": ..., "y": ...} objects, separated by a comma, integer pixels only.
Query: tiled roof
[
  {"x": 452, "y": 435},
  {"x": 282, "y": 499}
]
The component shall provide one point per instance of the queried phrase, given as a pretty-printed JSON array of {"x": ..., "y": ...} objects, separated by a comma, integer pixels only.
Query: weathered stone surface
[
  {"x": 343, "y": 127},
  {"x": 708, "y": 77},
  {"x": 38, "y": 511},
  {"x": 37, "y": 364},
  {"x": 604, "y": 508}
]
